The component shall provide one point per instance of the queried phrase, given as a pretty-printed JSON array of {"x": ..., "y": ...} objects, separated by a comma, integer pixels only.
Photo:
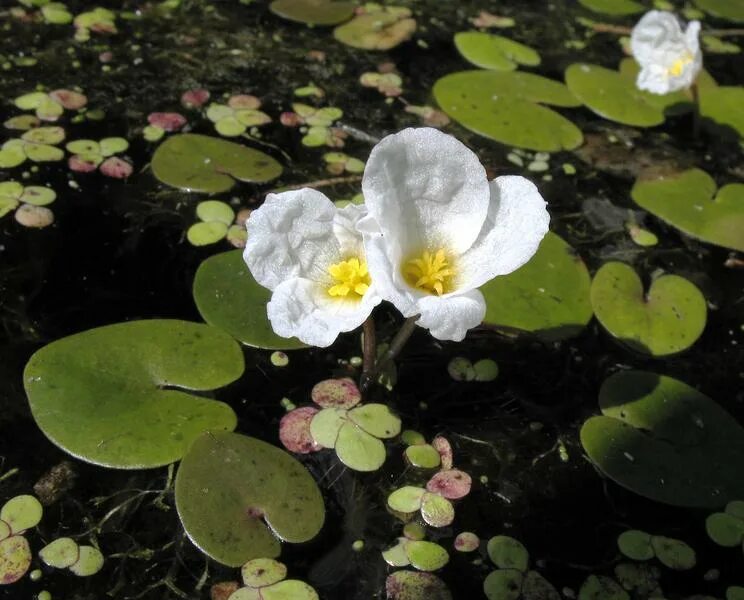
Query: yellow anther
[
  {"x": 430, "y": 272},
  {"x": 351, "y": 277},
  {"x": 676, "y": 69}
]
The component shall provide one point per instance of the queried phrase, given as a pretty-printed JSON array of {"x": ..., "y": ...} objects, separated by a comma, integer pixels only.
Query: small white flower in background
[
  {"x": 310, "y": 255},
  {"x": 437, "y": 230},
  {"x": 670, "y": 59}
]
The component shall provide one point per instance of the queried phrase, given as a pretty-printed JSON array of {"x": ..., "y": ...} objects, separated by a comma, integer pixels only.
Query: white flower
[
  {"x": 310, "y": 255},
  {"x": 670, "y": 59},
  {"x": 437, "y": 230}
]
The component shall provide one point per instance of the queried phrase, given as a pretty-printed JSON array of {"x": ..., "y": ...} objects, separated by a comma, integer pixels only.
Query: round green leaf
[
  {"x": 291, "y": 589},
  {"x": 38, "y": 195},
  {"x": 665, "y": 440},
  {"x": 42, "y": 152},
  {"x": 426, "y": 556},
  {"x": 21, "y": 513},
  {"x": 725, "y": 529},
  {"x": 667, "y": 319},
  {"x": 84, "y": 147},
  {"x": 635, "y": 544},
  {"x": 502, "y": 106},
  {"x": 735, "y": 592},
  {"x": 507, "y": 553},
  {"x": 436, "y": 510},
  {"x": 614, "y": 7},
  {"x": 600, "y": 587},
  {"x": 380, "y": 30},
  {"x": 376, "y": 419},
  {"x": 548, "y": 296},
  {"x": 486, "y": 369},
  {"x": 228, "y": 484},
  {"x": 113, "y": 145},
  {"x": 413, "y": 585},
  {"x": 672, "y": 553},
  {"x": 260, "y": 572},
  {"x": 61, "y": 553},
  {"x": 11, "y": 189},
  {"x": 732, "y": 10},
  {"x": 229, "y": 126},
  {"x": 15, "y": 558},
  {"x": 396, "y": 555},
  {"x": 612, "y": 96},
  {"x": 496, "y": 52},
  {"x": 313, "y": 12},
  {"x": 89, "y": 562},
  {"x": 503, "y": 584},
  {"x": 108, "y": 395},
  {"x": 326, "y": 424},
  {"x": 536, "y": 587},
  {"x": 214, "y": 210},
  {"x": 12, "y": 154},
  {"x": 406, "y": 499},
  {"x": 735, "y": 508},
  {"x": 228, "y": 297},
  {"x": 152, "y": 133},
  {"x": 203, "y": 234},
  {"x": 200, "y": 163},
  {"x": 44, "y": 135},
  {"x": 30, "y": 101},
  {"x": 7, "y": 204},
  {"x": 423, "y": 456},
  {"x": 686, "y": 201},
  {"x": 357, "y": 449}
]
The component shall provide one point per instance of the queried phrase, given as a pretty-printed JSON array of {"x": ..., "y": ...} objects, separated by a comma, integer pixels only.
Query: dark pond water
[{"x": 117, "y": 252}]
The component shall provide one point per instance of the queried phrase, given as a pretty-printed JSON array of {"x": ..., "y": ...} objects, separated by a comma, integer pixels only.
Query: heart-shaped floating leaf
[
  {"x": 496, "y": 52},
  {"x": 686, "y": 201},
  {"x": 106, "y": 395},
  {"x": 665, "y": 440},
  {"x": 503, "y": 584},
  {"x": 228, "y": 484},
  {"x": 504, "y": 106},
  {"x": 635, "y": 544},
  {"x": 507, "y": 553},
  {"x": 667, "y": 319},
  {"x": 313, "y": 12},
  {"x": 200, "y": 163},
  {"x": 261, "y": 572},
  {"x": 613, "y": 96},
  {"x": 732, "y": 10},
  {"x": 549, "y": 296},
  {"x": 228, "y": 297},
  {"x": 601, "y": 587},
  {"x": 722, "y": 106}
]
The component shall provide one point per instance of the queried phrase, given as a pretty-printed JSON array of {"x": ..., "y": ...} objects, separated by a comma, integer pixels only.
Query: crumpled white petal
[
  {"x": 450, "y": 317},
  {"x": 293, "y": 239},
  {"x": 426, "y": 188},
  {"x": 291, "y": 235},
  {"x": 516, "y": 223},
  {"x": 303, "y": 309},
  {"x": 670, "y": 59}
]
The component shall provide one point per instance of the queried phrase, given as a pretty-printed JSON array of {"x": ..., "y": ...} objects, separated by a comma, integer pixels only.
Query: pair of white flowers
[
  {"x": 432, "y": 230},
  {"x": 670, "y": 59}
]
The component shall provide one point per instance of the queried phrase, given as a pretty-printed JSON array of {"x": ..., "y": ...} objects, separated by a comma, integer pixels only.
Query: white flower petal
[
  {"x": 345, "y": 229},
  {"x": 303, "y": 309},
  {"x": 450, "y": 317},
  {"x": 291, "y": 235},
  {"x": 516, "y": 223},
  {"x": 426, "y": 190}
]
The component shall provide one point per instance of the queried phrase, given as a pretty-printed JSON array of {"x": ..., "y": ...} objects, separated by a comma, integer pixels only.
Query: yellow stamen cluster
[
  {"x": 676, "y": 69},
  {"x": 351, "y": 277},
  {"x": 430, "y": 272}
]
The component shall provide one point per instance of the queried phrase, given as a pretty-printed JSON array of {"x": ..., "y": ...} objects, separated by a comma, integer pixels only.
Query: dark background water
[{"x": 117, "y": 252}]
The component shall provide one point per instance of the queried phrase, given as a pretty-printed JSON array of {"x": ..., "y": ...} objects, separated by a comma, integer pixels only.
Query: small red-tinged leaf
[
  {"x": 168, "y": 121},
  {"x": 336, "y": 393},
  {"x": 452, "y": 484},
  {"x": 243, "y": 101},
  {"x": 442, "y": 445},
  {"x": 195, "y": 98},
  {"x": 69, "y": 99},
  {"x": 81, "y": 164},
  {"x": 15, "y": 559},
  {"x": 223, "y": 590},
  {"x": 294, "y": 430},
  {"x": 116, "y": 167},
  {"x": 466, "y": 541}
]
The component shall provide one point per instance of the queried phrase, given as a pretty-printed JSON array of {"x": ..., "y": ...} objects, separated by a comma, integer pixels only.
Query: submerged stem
[
  {"x": 396, "y": 345},
  {"x": 369, "y": 347},
  {"x": 695, "y": 109}
]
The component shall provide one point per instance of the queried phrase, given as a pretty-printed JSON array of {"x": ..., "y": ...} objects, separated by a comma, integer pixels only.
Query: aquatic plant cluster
[{"x": 422, "y": 356}]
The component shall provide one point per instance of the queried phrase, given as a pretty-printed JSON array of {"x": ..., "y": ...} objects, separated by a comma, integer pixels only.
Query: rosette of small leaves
[
  {"x": 235, "y": 117},
  {"x": 36, "y": 145},
  {"x": 434, "y": 501},
  {"x": 216, "y": 222}
]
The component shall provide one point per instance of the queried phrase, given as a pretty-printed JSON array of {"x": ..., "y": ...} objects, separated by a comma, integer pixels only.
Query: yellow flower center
[
  {"x": 430, "y": 272},
  {"x": 351, "y": 279},
  {"x": 676, "y": 69}
]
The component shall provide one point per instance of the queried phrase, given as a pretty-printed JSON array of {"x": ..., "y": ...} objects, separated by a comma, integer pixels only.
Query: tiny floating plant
[
  {"x": 235, "y": 117},
  {"x": 50, "y": 106},
  {"x": 89, "y": 155},
  {"x": 17, "y": 515}
]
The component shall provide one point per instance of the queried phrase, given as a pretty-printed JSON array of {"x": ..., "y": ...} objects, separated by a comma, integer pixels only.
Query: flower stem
[
  {"x": 369, "y": 347},
  {"x": 396, "y": 345},
  {"x": 695, "y": 110}
]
